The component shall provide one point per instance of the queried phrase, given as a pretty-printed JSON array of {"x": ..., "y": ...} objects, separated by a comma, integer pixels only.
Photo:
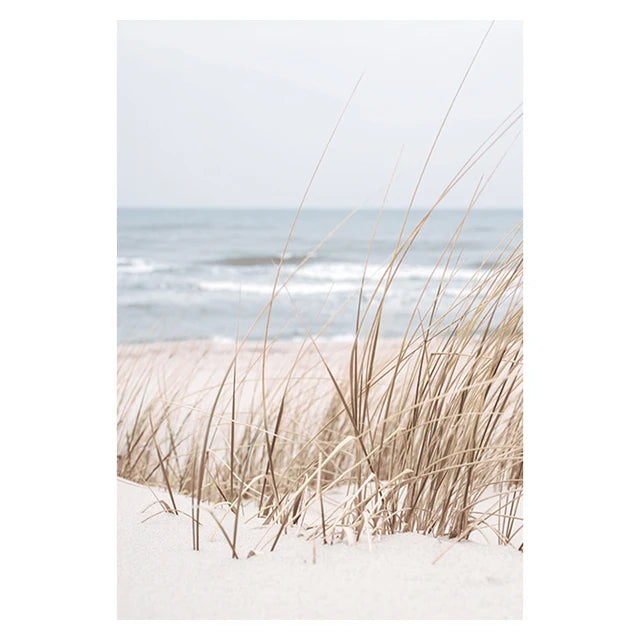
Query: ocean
[{"x": 207, "y": 273}]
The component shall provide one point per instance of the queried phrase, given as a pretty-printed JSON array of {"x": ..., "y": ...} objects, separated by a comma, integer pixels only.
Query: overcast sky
[{"x": 235, "y": 114}]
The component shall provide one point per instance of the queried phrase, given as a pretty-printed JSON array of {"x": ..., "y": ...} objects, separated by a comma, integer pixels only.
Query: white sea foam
[
  {"x": 349, "y": 271},
  {"x": 138, "y": 266},
  {"x": 336, "y": 277},
  {"x": 223, "y": 340},
  {"x": 295, "y": 288}
]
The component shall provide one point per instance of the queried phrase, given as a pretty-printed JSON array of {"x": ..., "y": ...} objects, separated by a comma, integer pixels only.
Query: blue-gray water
[{"x": 185, "y": 274}]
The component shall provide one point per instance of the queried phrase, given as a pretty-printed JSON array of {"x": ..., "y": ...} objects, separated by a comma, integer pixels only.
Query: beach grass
[{"x": 421, "y": 433}]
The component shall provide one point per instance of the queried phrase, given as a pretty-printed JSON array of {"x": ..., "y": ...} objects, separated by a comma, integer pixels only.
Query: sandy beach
[
  {"x": 388, "y": 577},
  {"x": 161, "y": 576}
]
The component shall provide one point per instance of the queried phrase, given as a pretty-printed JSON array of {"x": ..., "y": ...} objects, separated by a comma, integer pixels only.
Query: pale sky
[{"x": 236, "y": 114}]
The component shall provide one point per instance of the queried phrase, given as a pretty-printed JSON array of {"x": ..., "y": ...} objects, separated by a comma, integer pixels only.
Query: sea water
[{"x": 208, "y": 273}]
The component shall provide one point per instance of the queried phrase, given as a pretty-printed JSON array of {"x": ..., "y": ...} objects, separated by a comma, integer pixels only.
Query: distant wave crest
[
  {"x": 138, "y": 266},
  {"x": 258, "y": 261},
  {"x": 300, "y": 288},
  {"x": 351, "y": 271},
  {"x": 333, "y": 277}
]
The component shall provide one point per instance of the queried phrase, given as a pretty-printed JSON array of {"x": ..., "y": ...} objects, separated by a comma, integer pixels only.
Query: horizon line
[{"x": 294, "y": 208}]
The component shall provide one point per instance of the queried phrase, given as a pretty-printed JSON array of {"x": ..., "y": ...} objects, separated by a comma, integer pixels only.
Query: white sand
[{"x": 160, "y": 576}]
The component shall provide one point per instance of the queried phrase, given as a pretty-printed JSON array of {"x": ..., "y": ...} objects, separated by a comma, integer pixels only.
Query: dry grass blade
[{"x": 422, "y": 432}]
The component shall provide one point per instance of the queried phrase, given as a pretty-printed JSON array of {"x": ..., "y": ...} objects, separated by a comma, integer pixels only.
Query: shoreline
[{"x": 223, "y": 340}]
